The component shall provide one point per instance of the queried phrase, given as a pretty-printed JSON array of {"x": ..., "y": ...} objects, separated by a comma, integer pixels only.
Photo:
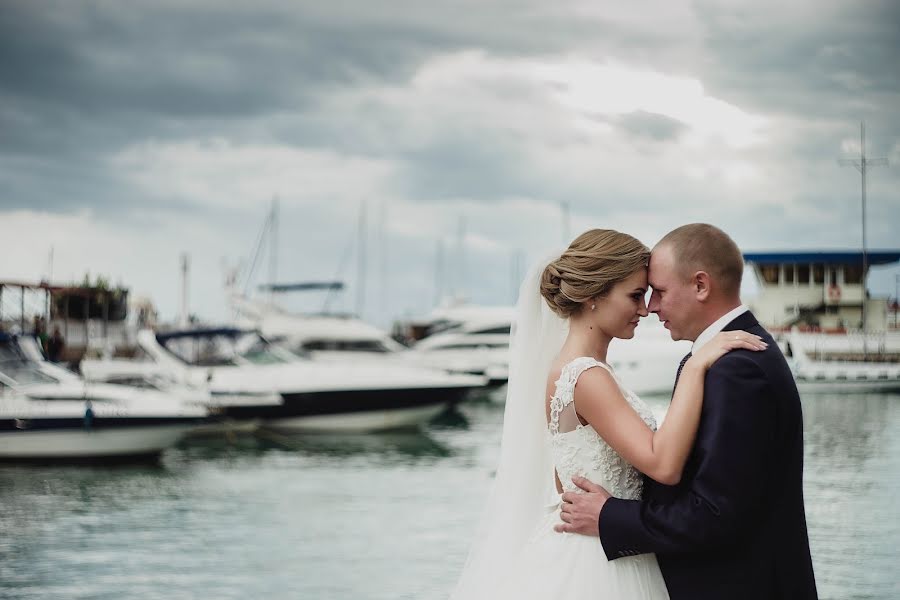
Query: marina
[
  {"x": 261, "y": 267},
  {"x": 290, "y": 407}
]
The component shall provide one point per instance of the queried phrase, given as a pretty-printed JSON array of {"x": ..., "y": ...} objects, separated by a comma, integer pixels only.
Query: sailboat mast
[
  {"x": 361, "y": 262},
  {"x": 459, "y": 292},
  {"x": 273, "y": 247},
  {"x": 185, "y": 267}
]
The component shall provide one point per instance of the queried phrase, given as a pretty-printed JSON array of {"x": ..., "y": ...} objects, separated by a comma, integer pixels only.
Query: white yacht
[
  {"x": 48, "y": 413},
  {"x": 326, "y": 337},
  {"x": 465, "y": 339},
  {"x": 470, "y": 348},
  {"x": 314, "y": 396},
  {"x": 152, "y": 367}
]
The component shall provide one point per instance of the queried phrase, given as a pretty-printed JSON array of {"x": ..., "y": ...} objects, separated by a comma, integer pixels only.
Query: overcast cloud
[{"x": 132, "y": 132}]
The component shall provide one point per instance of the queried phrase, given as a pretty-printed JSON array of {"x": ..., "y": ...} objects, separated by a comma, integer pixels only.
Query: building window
[
  {"x": 853, "y": 274},
  {"x": 803, "y": 274},
  {"x": 789, "y": 273},
  {"x": 818, "y": 274},
  {"x": 769, "y": 273}
]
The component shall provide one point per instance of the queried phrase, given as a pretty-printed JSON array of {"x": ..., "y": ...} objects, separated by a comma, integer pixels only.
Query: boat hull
[
  {"x": 847, "y": 377},
  {"x": 355, "y": 410},
  {"x": 42, "y": 441},
  {"x": 359, "y": 422},
  {"x": 856, "y": 386}
]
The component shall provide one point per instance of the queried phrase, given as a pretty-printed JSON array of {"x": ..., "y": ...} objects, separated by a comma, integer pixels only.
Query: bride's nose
[{"x": 642, "y": 309}]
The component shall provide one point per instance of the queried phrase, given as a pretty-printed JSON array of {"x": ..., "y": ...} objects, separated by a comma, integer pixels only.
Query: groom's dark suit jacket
[{"x": 734, "y": 527}]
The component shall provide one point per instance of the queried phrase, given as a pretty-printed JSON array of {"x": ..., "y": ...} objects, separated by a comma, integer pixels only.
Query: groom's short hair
[{"x": 703, "y": 247}]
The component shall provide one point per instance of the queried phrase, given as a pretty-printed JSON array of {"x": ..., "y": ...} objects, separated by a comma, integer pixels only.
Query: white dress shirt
[{"x": 711, "y": 331}]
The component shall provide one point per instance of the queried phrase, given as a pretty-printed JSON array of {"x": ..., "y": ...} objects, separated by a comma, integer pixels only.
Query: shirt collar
[{"x": 711, "y": 331}]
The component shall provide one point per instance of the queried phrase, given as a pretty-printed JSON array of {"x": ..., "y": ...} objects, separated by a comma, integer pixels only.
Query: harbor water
[{"x": 384, "y": 516}]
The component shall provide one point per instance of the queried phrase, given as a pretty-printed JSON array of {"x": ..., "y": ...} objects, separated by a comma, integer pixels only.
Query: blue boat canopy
[{"x": 874, "y": 257}]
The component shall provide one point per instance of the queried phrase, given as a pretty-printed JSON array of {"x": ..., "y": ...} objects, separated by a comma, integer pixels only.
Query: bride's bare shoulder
[{"x": 556, "y": 368}]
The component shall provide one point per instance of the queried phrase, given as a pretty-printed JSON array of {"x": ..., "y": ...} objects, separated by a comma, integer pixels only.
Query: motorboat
[
  {"x": 48, "y": 413},
  {"x": 320, "y": 337},
  {"x": 465, "y": 339},
  {"x": 152, "y": 368},
  {"x": 473, "y": 348},
  {"x": 315, "y": 396},
  {"x": 342, "y": 338}
]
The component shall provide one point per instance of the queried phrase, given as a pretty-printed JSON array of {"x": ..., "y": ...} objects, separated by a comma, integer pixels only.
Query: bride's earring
[{"x": 593, "y": 306}]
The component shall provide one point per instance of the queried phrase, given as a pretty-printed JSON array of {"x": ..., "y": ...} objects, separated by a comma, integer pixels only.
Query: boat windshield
[
  {"x": 225, "y": 349},
  {"x": 17, "y": 369},
  {"x": 444, "y": 325},
  {"x": 338, "y": 345},
  {"x": 254, "y": 349}
]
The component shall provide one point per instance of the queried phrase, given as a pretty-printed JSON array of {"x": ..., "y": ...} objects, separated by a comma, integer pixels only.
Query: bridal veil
[{"x": 524, "y": 484}]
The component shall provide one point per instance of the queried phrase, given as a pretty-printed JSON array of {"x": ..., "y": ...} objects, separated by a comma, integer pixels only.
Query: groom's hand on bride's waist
[{"x": 580, "y": 512}]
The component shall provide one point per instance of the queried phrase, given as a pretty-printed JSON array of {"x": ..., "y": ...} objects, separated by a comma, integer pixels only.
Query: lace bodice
[{"x": 579, "y": 450}]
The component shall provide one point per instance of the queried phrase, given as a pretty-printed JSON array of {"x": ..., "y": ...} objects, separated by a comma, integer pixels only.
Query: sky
[{"x": 435, "y": 147}]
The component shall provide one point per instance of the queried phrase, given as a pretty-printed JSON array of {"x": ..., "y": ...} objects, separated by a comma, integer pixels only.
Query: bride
[{"x": 567, "y": 416}]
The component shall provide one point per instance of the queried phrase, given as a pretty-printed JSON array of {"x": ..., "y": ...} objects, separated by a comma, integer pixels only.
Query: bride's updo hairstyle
[{"x": 595, "y": 261}]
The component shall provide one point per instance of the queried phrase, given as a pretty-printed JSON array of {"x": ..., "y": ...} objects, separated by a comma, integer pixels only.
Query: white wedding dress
[
  {"x": 515, "y": 553},
  {"x": 572, "y": 566}
]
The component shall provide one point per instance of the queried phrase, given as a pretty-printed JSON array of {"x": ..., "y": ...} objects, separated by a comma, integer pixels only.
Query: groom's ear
[{"x": 701, "y": 285}]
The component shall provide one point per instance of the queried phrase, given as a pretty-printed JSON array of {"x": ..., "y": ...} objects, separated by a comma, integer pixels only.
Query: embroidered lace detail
[
  {"x": 581, "y": 451},
  {"x": 565, "y": 387}
]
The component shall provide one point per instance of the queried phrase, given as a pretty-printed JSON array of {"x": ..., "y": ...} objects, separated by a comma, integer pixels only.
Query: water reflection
[
  {"x": 452, "y": 418},
  {"x": 23, "y": 485},
  {"x": 851, "y": 484},
  {"x": 267, "y": 515},
  {"x": 490, "y": 395},
  {"x": 845, "y": 427},
  {"x": 398, "y": 444},
  {"x": 53, "y": 512}
]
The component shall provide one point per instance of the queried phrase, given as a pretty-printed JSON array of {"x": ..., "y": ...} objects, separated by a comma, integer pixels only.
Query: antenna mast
[{"x": 862, "y": 165}]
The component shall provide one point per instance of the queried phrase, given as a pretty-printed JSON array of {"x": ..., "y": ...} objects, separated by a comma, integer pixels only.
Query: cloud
[
  {"x": 133, "y": 132},
  {"x": 654, "y": 127},
  {"x": 815, "y": 58},
  {"x": 226, "y": 175}
]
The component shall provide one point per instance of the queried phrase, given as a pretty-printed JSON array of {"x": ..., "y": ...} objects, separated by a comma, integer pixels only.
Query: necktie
[{"x": 681, "y": 366}]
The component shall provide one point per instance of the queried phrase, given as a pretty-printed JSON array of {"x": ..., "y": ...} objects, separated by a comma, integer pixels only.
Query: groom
[{"x": 734, "y": 527}]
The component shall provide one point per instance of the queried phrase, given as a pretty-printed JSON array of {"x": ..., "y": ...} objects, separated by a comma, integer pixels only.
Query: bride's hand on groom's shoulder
[
  {"x": 724, "y": 343},
  {"x": 580, "y": 512}
]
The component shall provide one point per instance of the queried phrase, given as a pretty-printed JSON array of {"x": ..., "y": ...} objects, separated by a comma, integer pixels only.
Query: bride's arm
[{"x": 661, "y": 454}]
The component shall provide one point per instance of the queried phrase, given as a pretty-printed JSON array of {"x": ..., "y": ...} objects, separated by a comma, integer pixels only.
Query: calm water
[{"x": 379, "y": 516}]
